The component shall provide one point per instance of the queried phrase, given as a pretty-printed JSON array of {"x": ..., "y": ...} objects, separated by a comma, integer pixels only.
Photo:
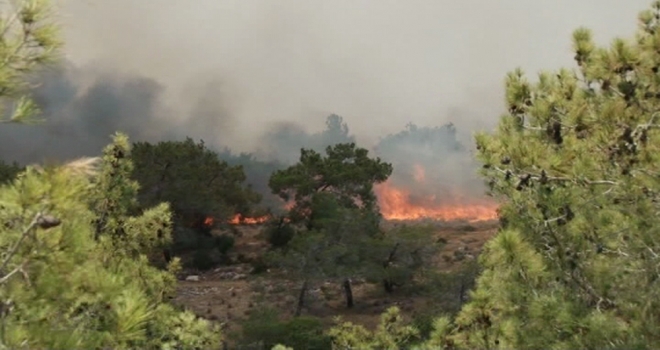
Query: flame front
[
  {"x": 395, "y": 204},
  {"x": 239, "y": 219}
]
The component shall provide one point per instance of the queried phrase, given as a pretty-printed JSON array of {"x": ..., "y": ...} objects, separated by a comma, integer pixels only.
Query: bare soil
[{"x": 229, "y": 294}]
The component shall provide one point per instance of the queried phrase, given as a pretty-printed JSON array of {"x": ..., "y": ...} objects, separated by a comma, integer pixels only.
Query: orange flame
[
  {"x": 208, "y": 221},
  {"x": 395, "y": 204},
  {"x": 239, "y": 219}
]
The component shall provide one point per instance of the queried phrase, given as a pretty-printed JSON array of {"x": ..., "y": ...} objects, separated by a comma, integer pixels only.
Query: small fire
[
  {"x": 395, "y": 204},
  {"x": 239, "y": 219}
]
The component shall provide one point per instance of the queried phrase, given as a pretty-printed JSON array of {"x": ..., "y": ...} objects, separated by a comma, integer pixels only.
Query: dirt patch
[{"x": 229, "y": 294}]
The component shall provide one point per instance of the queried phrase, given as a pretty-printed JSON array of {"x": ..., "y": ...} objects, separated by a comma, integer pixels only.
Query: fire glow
[
  {"x": 398, "y": 204},
  {"x": 238, "y": 219}
]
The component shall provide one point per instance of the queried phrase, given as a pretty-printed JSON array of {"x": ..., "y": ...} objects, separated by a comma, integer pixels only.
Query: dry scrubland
[{"x": 228, "y": 294}]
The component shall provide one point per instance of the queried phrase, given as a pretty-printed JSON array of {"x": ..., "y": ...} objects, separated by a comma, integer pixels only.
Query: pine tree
[
  {"x": 30, "y": 41},
  {"x": 576, "y": 262},
  {"x": 391, "y": 333},
  {"x": 8, "y": 171},
  {"x": 575, "y": 163},
  {"x": 68, "y": 285}
]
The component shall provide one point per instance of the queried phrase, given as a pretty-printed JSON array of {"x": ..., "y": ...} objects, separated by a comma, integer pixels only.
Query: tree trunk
[
  {"x": 461, "y": 294},
  {"x": 348, "y": 290},
  {"x": 167, "y": 256},
  {"x": 388, "y": 286},
  {"x": 301, "y": 298}
]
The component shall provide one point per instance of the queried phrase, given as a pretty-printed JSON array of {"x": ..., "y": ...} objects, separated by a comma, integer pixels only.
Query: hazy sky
[{"x": 379, "y": 64}]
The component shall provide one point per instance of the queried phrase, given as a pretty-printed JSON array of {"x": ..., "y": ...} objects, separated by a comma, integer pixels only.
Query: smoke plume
[{"x": 257, "y": 79}]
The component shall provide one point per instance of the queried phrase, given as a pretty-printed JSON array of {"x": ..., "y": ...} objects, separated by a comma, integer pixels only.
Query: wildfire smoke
[
  {"x": 399, "y": 204},
  {"x": 417, "y": 201}
]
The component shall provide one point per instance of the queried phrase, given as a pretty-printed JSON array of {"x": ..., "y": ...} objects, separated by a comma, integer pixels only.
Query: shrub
[
  {"x": 202, "y": 260},
  {"x": 224, "y": 243},
  {"x": 280, "y": 235},
  {"x": 263, "y": 330}
]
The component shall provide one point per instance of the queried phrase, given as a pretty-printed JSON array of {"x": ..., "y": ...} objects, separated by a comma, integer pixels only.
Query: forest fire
[
  {"x": 238, "y": 219},
  {"x": 408, "y": 202},
  {"x": 396, "y": 204}
]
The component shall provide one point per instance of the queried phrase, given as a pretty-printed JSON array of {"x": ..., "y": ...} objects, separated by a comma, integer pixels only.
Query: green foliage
[
  {"x": 391, "y": 333},
  {"x": 345, "y": 173},
  {"x": 192, "y": 179},
  {"x": 30, "y": 40},
  {"x": 202, "y": 259},
  {"x": 257, "y": 172},
  {"x": 207, "y": 251},
  {"x": 196, "y": 184},
  {"x": 264, "y": 330},
  {"x": 224, "y": 243},
  {"x": 279, "y": 233},
  {"x": 575, "y": 161},
  {"x": 335, "y": 201},
  {"x": 347, "y": 244},
  {"x": 8, "y": 172},
  {"x": 75, "y": 268},
  {"x": 333, "y": 250},
  {"x": 399, "y": 255}
]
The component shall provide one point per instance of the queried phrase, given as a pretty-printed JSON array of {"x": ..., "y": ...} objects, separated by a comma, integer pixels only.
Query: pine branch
[
  {"x": 40, "y": 220},
  {"x": 19, "y": 268},
  {"x": 17, "y": 245}
]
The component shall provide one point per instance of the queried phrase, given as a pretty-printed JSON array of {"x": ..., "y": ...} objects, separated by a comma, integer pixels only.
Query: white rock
[
  {"x": 238, "y": 277},
  {"x": 193, "y": 278}
]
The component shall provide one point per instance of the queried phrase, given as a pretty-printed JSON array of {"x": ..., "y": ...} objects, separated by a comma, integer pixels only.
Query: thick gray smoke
[
  {"x": 431, "y": 162},
  {"x": 83, "y": 107},
  {"x": 261, "y": 76}
]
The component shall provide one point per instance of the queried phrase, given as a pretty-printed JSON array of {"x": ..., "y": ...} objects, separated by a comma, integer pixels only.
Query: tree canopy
[
  {"x": 8, "y": 171},
  {"x": 346, "y": 172},
  {"x": 193, "y": 179},
  {"x": 75, "y": 268},
  {"x": 30, "y": 41},
  {"x": 575, "y": 164}
]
